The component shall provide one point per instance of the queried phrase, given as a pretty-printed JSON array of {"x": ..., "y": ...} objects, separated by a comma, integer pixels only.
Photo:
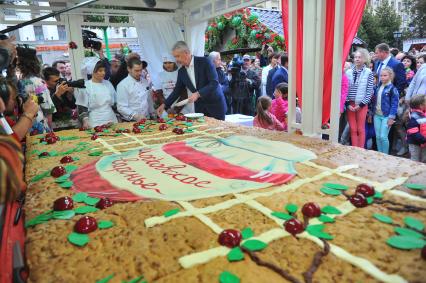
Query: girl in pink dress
[
  {"x": 264, "y": 118},
  {"x": 280, "y": 103}
]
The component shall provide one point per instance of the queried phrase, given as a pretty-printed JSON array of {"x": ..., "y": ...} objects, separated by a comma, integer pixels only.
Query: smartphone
[{"x": 5, "y": 129}]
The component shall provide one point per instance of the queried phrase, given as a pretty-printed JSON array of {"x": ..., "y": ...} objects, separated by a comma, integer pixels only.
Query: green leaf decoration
[
  {"x": 69, "y": 138},
  {"x": 66, "y": 184},
  {"x": 76, "y": 158},
  {"x": 328, "y": 209},
  {"x": 35, "y": 151},
  {"x": 171, "y": 212},
  {"x": 291, "y": 208},
  {"x": 236, "y": 254},
  {"x": 105, "y": 224},
  {"x": 91, "y": 201},
  {"x": 69, "y": 151},
  {"x": 79, "y": 197},
  {"x": 405, "y": 242},
  {"x": 254, "y": 245},
  {"x": 40, "y": 176},
  {"x": 228, "y": 277},
  {"x": 137, "y": 280},
  {"x": 414, "y": 223},
  {"x": 39, "y": 219},
  {"x": 65, "y": 215},
  {"x": 53, "y": 153},
  {"x": 95, "y": 153},
  {"x": 70, "y": 168},
  {"x": 188, "y": 124},
  {"x": 247, "y": 233},
  {"x": 408, "y": 232},
  {"x": 383, "y": 218},
  {"x": 325, "y": 219},
  {"x": 106, "y": 279},
  {"x": 63, "y": 178},
  {"x": 370, "y": 200},
  {"x": 316, "y": 231},
  {"x": 416, "y": 186},
  {"x": 83, "y": 143},
  {"x": 78, "y": 239},
  {"x": 336, "y": 186},
  {"x": 201, "y": 120},
  {"x": 85, "y": 209},
  {"x": 44, "y": 143},
  {"x": 329, "y": 191},
  {"x": 281, "y": 215},
  {"x": 378, "y": 195}
]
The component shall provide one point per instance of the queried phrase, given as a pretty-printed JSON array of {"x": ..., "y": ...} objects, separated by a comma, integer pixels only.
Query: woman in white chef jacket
[
  {"x": 95, "y": 102},
  {"x": 165, "y": 83}
]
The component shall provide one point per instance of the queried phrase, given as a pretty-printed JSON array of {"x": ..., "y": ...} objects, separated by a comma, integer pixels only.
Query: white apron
[{"x": 99, "y": 104}]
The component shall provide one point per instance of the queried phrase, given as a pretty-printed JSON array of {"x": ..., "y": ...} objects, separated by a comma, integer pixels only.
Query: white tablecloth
[{"x": 240, "y": 119}]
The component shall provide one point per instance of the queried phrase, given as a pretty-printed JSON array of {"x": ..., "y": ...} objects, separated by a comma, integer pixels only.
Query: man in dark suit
[
  {"x": 199, "y": 77},
  {"x": 269, "y": 89},
  {"x": 281, "y": 75},
  {"x": 385, "y": 59}
]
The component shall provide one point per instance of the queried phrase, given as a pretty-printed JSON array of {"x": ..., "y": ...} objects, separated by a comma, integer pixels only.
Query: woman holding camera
[
  {"x": 31, "y": 86},
  {"x": 95, "y": 102}
]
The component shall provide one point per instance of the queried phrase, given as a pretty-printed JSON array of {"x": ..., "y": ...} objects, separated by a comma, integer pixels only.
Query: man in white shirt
[{"x": 134, "y": 100}]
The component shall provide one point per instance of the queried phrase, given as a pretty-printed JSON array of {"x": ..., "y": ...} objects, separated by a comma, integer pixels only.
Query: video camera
[
  {"x": 75, "y": 84},
  {"x": 90, "y": 40}
]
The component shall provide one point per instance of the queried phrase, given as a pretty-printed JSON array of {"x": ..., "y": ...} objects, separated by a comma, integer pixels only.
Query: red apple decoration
[
  {"x": 51, "y": 140},
  {"x": 85, "y": 225},
  {"x": 294, "y": 226},
  {"x": 58, "y": 171},
  {"x": 44, "y": 153},
  {"x": 365, "y": 190},
  {"x": 178, "y": 131},
  {"x": 358, "y": 200},
  {"x": 311, "y": 209},
  {"x": 137, "y": 131},
  {"x": 94, "y": 137},
  {"x": 66, "y": 159},
  {"x": 230, "y": 238},
  {"x": 162, "y": 127},
  {"x": 104, "y": 203},
  {"x": 161, "y": 120},
  {"x": 63, "y": 203}
]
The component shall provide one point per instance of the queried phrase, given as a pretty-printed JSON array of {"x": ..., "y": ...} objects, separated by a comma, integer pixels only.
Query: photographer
[
  {"x": 31, "y": 86},
  {"x": 242, "y": 86},
  {"x": 63, "y": 97}
]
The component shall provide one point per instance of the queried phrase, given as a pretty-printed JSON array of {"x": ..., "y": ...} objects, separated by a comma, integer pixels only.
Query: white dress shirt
[
  {"x": 134, "y": 98},
  {"x": 190, "y": 108}
]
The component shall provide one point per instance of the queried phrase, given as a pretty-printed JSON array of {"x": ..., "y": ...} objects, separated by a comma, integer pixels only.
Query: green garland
[{"x": 250, "y": 32}]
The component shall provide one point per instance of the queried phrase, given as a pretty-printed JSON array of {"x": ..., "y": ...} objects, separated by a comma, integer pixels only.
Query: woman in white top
[
  {"x": 95, "y": 102},
  {"x": 273, "y": 58}
]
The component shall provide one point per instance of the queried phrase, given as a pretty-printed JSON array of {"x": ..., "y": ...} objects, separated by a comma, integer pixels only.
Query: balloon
[
  {"x": 221, "y": 26},
  {"x": 236, "y": 21},
  {"x": 253, "y": 33},
  {"x": 253, "y": 17}
]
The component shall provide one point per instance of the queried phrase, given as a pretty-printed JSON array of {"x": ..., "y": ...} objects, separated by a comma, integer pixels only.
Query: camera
[
  {"x": 90, "y": 40},
  {"x": 75, "y": 84}
]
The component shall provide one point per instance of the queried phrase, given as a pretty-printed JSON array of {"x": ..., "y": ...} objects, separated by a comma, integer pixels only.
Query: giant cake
[{"x": 208, "y": 201}]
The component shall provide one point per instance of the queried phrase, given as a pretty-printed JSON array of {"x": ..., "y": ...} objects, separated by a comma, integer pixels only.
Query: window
[
  {"x": 124, "y": 32},
  {"x": 14, "y": 33},
  {"x": 38, "y": 32},
  {"x": 399, "y": 6},
  {"x": 62, "y": 33}
]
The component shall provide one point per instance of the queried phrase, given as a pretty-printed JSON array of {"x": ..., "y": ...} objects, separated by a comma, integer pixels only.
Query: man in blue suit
[
  {"x": 281, "y": 75},
  {"x": 385, "y": 59},
  {"x": 199, "y": 77}
]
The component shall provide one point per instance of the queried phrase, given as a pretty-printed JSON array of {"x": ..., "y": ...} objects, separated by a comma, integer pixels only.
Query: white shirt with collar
[
  {"x": 133, "y": 98},
  {"x": 190, "y": 108},
  {"x": 386, "y": 61}
]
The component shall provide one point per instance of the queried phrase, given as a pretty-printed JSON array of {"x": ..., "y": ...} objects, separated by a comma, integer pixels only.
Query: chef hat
[{"x": 168, "y": 58}]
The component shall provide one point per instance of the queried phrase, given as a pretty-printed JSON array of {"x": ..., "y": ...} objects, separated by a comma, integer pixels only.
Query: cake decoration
[
  {"x": 171, "y": 212},
  {"x": 63, "y": 203},
  {"x": 228, "y": 277},
  {"x": 85, "y": 225},
  {"x": 418, "y": 187},
  {"x": 105, "y": 224},
  {"x": 78, "y": 239},
  {"x": 104, "y": 203}
]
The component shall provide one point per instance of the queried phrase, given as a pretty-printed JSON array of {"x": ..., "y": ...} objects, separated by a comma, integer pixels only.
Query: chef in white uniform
[
  {"x": 134, "y": 100},
  {"x": 95, "y": 102}
]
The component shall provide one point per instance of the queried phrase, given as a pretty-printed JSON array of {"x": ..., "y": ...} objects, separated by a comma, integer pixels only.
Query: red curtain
[{"x": 353, "y": 17}]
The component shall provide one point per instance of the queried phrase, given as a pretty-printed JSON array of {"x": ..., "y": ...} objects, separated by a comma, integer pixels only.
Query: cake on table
[{"x": 207, "y": 201}]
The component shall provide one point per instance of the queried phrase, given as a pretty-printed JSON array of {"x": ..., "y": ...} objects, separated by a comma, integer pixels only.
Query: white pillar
[
  {"x": 313, "y": 67},
  {"x": 339, "y": 22},
  {"x": 292, "y": 49},
  {"x": 73, "y": 26}
]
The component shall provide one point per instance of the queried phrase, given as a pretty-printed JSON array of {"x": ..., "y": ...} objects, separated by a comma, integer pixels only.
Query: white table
[{"x": 242, "y": 120}]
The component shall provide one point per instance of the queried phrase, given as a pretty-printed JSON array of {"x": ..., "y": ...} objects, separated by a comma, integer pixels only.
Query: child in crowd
[
  {"x": 416, "y": 132},
  {"x": 385, "y": 105},
  {"x": 264, "y": 118},
  {"x": 280, "y": 103}
]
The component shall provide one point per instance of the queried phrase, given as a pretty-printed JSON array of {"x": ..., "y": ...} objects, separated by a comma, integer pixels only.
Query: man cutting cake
[{"x": 199, "y": 77}]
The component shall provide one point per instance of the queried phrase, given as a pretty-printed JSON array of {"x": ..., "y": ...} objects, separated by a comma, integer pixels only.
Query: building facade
[{"x": 400, "y": 7}]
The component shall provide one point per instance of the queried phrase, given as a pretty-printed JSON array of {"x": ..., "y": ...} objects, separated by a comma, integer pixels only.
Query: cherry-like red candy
[
  {"x": 230, "y": 238},
  {"x": 137, "y": 130},
  {"x": 85, "y": 224},
  {"x": 44, "y": 153},
  {"x": 161, "y": 120},
  {"x": 66, "y": 159},
  {"x": 142, "y": 121},
  {"x": 104, "y": 203},
  {"x": 365, "y": 190},
  {"x": 311, "y": 209},
  {"x": 51, "y": 134},
  {"x": 63, "y": 203},
  {"x": 51, "y": 140},
  {"x": 162, "y": 127},
  {"x": 81, "y": 129},
  {"x": 178, "y": 131},
  {"x": 180, "y": 117},
  {"x": 94, "y": 137},
  {"x": 99, "y": 129},
  {"x": 58, "y": 171},
  {"x": 294, "y": 226},
  {"x": 358, "y": 200}
]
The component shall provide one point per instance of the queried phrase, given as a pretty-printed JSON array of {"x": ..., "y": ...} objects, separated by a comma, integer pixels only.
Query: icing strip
[
  {"x": 203, "y": 218},
  {"x": 108, "y": 146},
  {"x": 407, "y": 195}
]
